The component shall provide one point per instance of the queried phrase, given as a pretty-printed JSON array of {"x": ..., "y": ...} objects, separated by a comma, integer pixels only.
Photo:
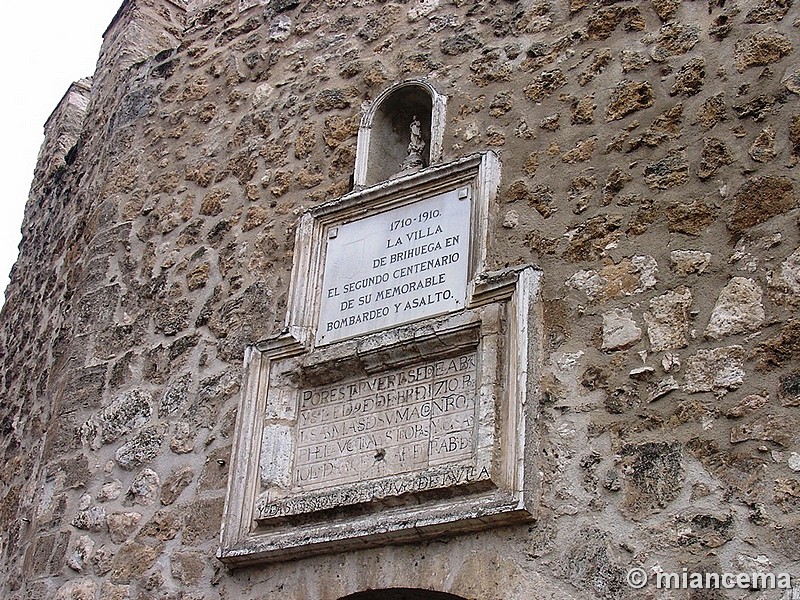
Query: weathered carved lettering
[{"x": 362, "y": 429}]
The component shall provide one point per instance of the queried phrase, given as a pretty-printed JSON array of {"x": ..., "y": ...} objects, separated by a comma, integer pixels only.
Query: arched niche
[
  {"x": 385, "y": 132},
  {"x": 401, "y": 594}
]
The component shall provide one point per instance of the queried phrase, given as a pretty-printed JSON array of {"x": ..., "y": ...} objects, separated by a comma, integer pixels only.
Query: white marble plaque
[{"x": 395, "y": 267}]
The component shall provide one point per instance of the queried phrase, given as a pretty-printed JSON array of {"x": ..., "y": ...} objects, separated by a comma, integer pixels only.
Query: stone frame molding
[{"x": 500, "y": 326}]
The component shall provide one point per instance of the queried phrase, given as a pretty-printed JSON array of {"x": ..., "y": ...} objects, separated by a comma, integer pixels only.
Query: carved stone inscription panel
[
  {"x": 395, "y": 267},
  {"x": 388, "y": 424},
  {"x": 396, "y": 403}
]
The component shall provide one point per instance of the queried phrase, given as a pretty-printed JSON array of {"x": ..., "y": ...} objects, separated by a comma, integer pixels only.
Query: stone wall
[{"x": 649, "y": 155}]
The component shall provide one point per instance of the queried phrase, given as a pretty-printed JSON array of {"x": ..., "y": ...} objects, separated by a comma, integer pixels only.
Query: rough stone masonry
[{"x": 650, "y": 169}]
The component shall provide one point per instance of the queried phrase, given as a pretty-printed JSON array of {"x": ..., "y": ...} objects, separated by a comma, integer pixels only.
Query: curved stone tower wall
[{"x": 649, "y": 167}]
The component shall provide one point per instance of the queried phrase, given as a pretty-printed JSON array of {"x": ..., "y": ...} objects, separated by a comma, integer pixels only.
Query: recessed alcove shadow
[
  {"x": 401, "y": 594},
  {"x": 391, "y": 132},
  {"x": 385, "y": 133}
]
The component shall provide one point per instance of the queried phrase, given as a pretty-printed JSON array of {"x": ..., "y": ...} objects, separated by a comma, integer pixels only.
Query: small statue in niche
[{"x": 413, "y": 161}]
